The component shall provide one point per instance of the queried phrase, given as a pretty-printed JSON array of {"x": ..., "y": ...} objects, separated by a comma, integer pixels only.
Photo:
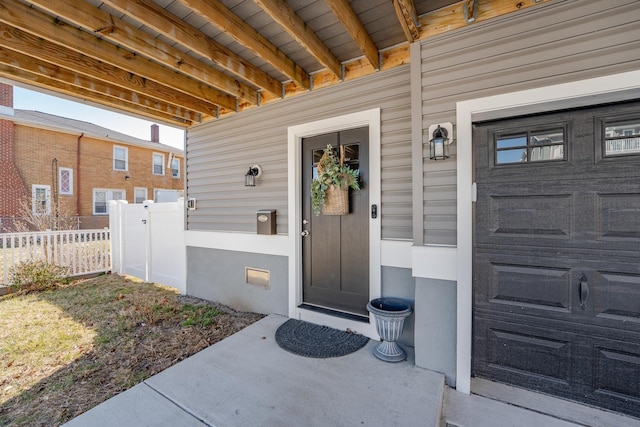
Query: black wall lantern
[
  {"x": 440, "y": 140},
  {"x": 252, "y": 174},
  {"x": 439, "y": 144}
]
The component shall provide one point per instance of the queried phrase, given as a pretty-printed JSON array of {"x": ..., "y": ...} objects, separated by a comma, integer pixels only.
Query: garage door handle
[{"x": 584, "y": 291}]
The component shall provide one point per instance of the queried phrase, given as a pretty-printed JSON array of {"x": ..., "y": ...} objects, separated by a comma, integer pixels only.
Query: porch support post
[{"x": 416, "y": 144}]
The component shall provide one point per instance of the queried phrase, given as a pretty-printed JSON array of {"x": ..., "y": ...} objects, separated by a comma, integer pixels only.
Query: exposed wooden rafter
[
  {"x": 113, "y": 56},
  {"x": 111, "y": 28},
  {"x": 345, "y": 14},
  {"x": 35, "y": 47},
  {"x": 284, "y": 15},
  {"x": 37, "y": 72},
  {"x": 41, "y": 25},
  {"x": 408, "y": 17},
  {"x": 170, "y": 26},
  {"x": 218, "y": 14},
  {"x": 22, "y": 76}
]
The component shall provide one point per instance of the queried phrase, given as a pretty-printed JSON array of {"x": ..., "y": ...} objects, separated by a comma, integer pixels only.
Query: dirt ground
[{"x": 66, "y": 350}]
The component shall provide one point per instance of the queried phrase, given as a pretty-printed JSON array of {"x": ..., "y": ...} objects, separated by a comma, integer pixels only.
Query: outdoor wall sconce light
[
  {"x": 127, "y": 178},
  {"x": 250, "y": 177},
  {"x": 191, "y": 204},
  {"x": 439, "y": 143}
]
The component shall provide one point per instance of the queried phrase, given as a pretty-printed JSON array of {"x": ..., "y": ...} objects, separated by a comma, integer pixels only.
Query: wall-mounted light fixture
[
  {"x": 439, "y": 142},
  {"x": 127, "y": 177},
  {"x": 250, "y": 177}
]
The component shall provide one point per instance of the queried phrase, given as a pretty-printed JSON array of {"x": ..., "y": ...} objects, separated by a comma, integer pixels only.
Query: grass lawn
[{"x": 65, "y": 350}]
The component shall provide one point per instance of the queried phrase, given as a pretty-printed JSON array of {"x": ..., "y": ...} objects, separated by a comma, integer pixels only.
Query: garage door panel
[
  {"x": 591, "y": 219},
  {"x": 619, "y": 217},
  {"x": 512, "y": 283},
  {"x": 540, "y": 288},
  {"x": 535, "y": 357},
  {"x": 617, "y": 297},
  {"x": 546, "y": 216},
  {"x": 512, "y": 351},
  {"x": 617, "y": 375}
]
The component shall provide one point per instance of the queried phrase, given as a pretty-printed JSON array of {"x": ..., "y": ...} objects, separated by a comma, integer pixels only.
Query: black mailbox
[{"x": 266, "y": 221}]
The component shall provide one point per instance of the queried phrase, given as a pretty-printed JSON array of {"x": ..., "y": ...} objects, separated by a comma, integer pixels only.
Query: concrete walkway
[{"x": 247, "y": 380}]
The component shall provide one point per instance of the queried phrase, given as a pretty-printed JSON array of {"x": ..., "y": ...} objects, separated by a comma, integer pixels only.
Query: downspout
[
  {"x": 55, "y": 207},
  {"x": 78, "y": 204}
]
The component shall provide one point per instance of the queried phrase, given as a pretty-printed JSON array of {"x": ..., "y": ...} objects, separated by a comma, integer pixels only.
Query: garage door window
[
  {"x": 622, "y": 138},
  {"x": 531, "y": 146}
]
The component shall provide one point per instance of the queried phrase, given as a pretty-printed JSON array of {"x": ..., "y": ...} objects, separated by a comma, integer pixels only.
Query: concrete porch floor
[{"x": 247, "y": 380}]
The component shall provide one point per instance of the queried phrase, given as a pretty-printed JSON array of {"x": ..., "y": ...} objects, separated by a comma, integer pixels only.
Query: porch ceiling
[{"x": 183, "y": 62}]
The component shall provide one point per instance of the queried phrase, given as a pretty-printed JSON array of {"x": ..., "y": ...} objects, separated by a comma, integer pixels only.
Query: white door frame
[
  {"x": 612, "y": 88},
  {"x": 370, "y": 118}
]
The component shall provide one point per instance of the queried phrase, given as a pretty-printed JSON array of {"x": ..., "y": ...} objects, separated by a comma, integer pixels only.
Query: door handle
[
  {"x": 304, "y": 233},
  {"x": 584, "y": 291}
]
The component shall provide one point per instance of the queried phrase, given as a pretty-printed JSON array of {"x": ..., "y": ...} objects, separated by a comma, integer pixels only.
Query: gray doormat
[{"x": 310, "y": 340}]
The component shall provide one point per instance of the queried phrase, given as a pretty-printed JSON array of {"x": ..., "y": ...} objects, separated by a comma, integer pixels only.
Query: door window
[
  {"x": 528, "y": 146},
  {"x": 622, "y": 138}
]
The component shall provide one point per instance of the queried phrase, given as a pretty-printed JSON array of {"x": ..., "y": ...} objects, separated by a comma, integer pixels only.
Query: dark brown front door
[
  {"x": 557, "y": 254},
  {"x": 335, "y": 253}
]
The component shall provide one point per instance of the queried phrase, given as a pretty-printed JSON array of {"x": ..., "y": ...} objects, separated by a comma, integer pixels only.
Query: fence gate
[{"x": 147, "y": 241}]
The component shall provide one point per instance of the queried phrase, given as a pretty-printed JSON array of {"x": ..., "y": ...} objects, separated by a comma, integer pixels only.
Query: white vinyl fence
[
  {"x": 147, "y": 241},
  {"x": 80, "y": 251}
]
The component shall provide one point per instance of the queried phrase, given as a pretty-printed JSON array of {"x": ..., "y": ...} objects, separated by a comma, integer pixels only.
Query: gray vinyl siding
[
  {"x": 550, "y": 44},
  {"x": 219, "y": 153}
]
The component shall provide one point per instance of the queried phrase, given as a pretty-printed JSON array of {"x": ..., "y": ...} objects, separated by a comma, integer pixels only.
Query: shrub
[{"x": 36, "y": 275}]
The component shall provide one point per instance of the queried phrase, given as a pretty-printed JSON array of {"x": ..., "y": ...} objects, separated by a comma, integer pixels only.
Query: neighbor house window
[
  {"x": 622, "y": 138},
  {"x": 65, "y": 181},
  {"x": 175, "y": 168},
  {"x": 140, "y": 194},
  {"x": 120, "y": 158},
  {"x": 158, "y": 164},
  {"x": 41, "y": 199},
  {"x": 531, "y": 146},
  {"x": 102, "y": 196}
]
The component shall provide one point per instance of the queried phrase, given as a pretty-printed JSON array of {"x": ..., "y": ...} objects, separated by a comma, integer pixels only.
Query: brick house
[{"x": 55, "y": 160}]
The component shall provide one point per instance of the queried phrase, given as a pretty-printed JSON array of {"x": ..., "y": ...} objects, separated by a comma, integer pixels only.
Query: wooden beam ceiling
[
  {"x": 345, "y": 14},
  {"x": 170, "y": 26},
  {"x": 37, "y": 23},
  {"x": 284, "y": 15},
  {"x": 218, "y": 14},
  {"x": 117, "y": 59},
  {"x": 38, "y": 72},
  {"x": 408, "y": 18},
  {"x": 35, "y": 47},
  {"x": 32, "y": 79},
  {"x": 111, "y": 28}
]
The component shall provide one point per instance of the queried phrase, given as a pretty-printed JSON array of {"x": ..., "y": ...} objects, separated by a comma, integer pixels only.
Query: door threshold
[{"x": 335, "y": 313}]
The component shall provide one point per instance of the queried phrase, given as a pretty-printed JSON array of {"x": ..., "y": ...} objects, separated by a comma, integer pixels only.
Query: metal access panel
[{"x": 266, "y": 221}]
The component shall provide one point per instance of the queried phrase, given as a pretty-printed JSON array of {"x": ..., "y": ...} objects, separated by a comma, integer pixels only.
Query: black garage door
[{"x": 557, "y": 254}]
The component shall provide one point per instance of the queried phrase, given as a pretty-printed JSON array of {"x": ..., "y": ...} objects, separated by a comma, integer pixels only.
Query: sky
[{"x": 24, "y": 99}]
